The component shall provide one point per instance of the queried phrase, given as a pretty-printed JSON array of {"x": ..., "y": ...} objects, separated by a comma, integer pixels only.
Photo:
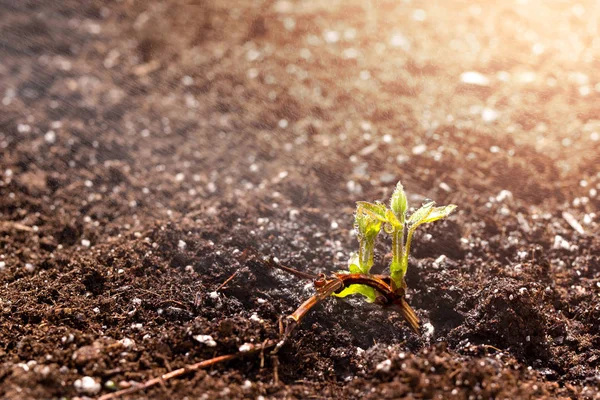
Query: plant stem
[
  {"x": 365, "y": 254},
  {"x": 407, "y": 250},
  {"x": 397, "y": 269}
]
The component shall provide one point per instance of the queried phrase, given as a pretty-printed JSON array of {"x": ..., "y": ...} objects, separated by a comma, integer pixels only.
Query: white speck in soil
[
  {"x": 331, "y": 36},
  {"x": 353, "y": 187},
  {"x": 350, "y": 53},
  {"x": 127, "y": 343},
  {"x": 87, "y": 385},
  {"x": 444, "y": 186},
  {"x": 368, "y": 150},
  {"x": 474, "y": 78},
  {"x": 428, "y": 330},
  {"x": 439, "y": 261},
  {"x": 254, "y": 317},
  {"x": 419, "y": 15},
  {"x": 181, "y": 244},
  {"x": 23, "y": 128},
  {"x": 387, "y": 177},
  {"x": 400, "y": 41},
  {"x": 50, "y": 137},
  {"x": 384, "y": 366},
  {"x": 86, "y": 243},
  {"x": 560, "y": 243},
  {"x": 419, "y": 149},
  {"x": 489, "y": 115},
  {"x": 402, "y": 159},
  {"x": 206, "y": 340},
  {"x": 573, "y": 222},
  {"x": 29, "y": 267},
  {"x": 252, "y": 55},
  {"x": 245, "y": 347}
]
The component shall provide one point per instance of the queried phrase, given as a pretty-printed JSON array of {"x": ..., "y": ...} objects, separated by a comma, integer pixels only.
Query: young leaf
[
  {"x": 421, "y": 214},
  {"x": 393, "y": 221},
  {"x": 439, "y": 213},
  {"x": 376, "y": 210},
  {"x": 354, "y": 264},
  {"x": 398, "y": 202},
  {"x": 366, "y": 291},
  {"x": 367, "y": 227}
]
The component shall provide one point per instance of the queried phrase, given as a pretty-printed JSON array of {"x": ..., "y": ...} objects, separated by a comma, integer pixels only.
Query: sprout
[
  {"x": 386, "y": 290},
  {"x": 370, "y": 218}
]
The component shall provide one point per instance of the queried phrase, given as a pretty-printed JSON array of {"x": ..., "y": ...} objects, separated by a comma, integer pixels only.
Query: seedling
[{"x": 387, "y": 290}]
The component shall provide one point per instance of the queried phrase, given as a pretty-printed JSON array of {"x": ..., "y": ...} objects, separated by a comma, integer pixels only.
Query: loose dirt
[{"x": 146, "y": 144}]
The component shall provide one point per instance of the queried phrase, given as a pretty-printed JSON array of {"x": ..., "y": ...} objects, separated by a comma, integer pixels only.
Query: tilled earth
[{"x": 146, "y": 145}]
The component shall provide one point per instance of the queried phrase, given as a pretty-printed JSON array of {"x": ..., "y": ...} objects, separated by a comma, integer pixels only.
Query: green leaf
[
  {"x": 421, "y": 214},
  {"x": 366, "y": 224},
  {"x": 354, "y": 264},
  {"x": 375, "y": 210},
  {"x": 392, "y": 220},
  {"x": 439, "y": 213},
  {"x": 364, "y": 290},
  {"x": 398, "y": 202}
]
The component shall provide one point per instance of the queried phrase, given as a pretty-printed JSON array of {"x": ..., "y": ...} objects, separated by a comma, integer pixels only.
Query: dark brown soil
[{"x": 146, "y": 144}]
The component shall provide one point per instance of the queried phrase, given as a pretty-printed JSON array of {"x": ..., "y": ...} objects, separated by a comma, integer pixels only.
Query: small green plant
[
  {"x": 370, "y": 218},
  {"x": 387, "y": 290}
]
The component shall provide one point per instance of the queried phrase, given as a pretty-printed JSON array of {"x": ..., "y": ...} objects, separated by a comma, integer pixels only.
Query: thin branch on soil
[
  {"x": 269, "y": 262},
  {"x": 227, "y": 281},
  {"x": 188, "y": 368}
]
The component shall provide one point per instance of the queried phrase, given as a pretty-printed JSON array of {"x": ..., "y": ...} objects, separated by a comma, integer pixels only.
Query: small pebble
[
  {"x": 474, "y": 78},
  {"x": 206, "y": 339},
  {"x": 384, "y": 366},
  {"x": 87, "y": 385},
  {"x": 245, "y": 347}
]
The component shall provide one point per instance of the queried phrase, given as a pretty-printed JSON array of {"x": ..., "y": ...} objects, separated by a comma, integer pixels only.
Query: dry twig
[{"x": 188, "y": 368}]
